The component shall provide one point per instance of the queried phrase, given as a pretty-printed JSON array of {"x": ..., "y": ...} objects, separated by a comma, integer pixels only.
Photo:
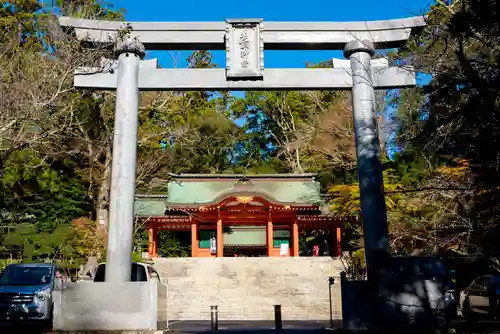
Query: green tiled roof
[
  {"x": 200, "y": 193},
  {"x": 150, "y": 206},
  {"x": 196, "y": 190}
]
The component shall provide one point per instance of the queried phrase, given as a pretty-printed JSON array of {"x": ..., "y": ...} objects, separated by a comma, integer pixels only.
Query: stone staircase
[{"x": 248, "y": 288}]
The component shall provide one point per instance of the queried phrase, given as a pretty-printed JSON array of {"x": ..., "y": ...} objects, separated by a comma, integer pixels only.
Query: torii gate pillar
[
  {"x": 120, "y": 232},
  {"x": 371, "y": 184}
]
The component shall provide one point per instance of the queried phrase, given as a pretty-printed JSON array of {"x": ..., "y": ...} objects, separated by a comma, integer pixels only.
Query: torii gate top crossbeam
[{"x": 276, "y": 35}]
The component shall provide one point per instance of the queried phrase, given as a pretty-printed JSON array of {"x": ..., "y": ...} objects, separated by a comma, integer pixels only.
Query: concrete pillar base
[{"x": 129, "y": 307}]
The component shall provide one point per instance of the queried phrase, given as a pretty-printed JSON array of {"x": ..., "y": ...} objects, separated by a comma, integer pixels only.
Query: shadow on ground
[
  {"x": 292, "y": 327},
  {"x": 486, "y": 327},
  {"x": 457, "y": 327},
  {"x": 21, "y": 329}
]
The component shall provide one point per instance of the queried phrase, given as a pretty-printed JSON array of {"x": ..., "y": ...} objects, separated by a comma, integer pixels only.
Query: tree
[
  {"x": 43, "y": 185},
  {"x": 453, "y": 122},
  {"x": 297, "y": 131}
]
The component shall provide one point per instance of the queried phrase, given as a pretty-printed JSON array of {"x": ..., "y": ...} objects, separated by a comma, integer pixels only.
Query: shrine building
[{"x": 239, "y": 215}]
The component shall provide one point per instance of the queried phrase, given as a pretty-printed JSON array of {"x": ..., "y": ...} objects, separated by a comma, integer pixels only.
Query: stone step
[{"x": 248, "y": 288}]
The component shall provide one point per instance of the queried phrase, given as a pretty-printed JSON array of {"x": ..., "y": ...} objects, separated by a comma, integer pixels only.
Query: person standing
[{"x": 315, "y": 250}]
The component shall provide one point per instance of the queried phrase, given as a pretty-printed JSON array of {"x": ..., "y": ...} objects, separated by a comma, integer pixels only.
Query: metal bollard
[
  {"x": 331, "y": 281},
  {"x": 278, "y": 324},
  {"x": 214, "y": 317}
]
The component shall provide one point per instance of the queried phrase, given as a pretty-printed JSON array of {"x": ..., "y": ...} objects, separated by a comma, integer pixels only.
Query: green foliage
[
  {"x": 19, "y": 17},
  {"x": 170, "y": 244},
  {"x": 136, "y": 257},
  {"x": 47, "y": 190},
  {"x": 90, "y": 9},
  {"x": 39, "y": 202},
  {"x": 5, "y": 262},
  {"x": 34, "y": 243},
  {"x": 42, "y": 187},
  {"x": 290, "y": 131}
]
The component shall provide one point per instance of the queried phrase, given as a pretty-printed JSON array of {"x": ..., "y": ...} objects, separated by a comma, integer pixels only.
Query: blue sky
[{"x": 269, "y": 10}]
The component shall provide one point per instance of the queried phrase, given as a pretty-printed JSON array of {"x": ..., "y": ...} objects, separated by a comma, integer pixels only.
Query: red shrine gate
[{"x": 241, "y": 207}]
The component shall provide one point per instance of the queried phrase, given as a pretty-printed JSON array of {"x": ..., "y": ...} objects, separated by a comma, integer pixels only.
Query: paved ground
[
  {"x": 227, "y": 327},
  {"x": 309, "y": 327},
  {"x": 289, "y": 327},
  {"x": 261, "y": 327}
]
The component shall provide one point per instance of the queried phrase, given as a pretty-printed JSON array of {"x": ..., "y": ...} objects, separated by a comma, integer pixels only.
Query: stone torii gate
[{"x": 244, "y": 41}]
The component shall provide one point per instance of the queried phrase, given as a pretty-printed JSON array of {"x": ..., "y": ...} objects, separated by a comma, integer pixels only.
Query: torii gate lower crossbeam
[{"x": 274, "y": 79}]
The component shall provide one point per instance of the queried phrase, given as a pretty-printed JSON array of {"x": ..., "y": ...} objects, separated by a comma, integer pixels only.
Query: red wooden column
[
  {"x": 269, "y": 236},
  {"x": 151, "y": 242},
  {"x": 220, "y": 237},
  {"x": 336, "y": 241},
  {"x": 194, "y": 239},
  {"x": 339, "y": 240},
  {"x": 295, "y": 238},
  {"x": 155, "y": 243}
]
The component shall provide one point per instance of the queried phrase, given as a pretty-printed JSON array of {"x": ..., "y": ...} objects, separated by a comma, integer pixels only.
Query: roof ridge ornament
[
  {"x": 243, "y": 184},
  {"x": 244, "y": 180}
]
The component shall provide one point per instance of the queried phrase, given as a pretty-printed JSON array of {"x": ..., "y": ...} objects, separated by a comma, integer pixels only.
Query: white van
[{"x": 141, "y": 272}]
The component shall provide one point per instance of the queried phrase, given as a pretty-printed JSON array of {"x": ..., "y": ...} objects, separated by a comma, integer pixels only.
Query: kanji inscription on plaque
[{"x": 244, "y": 49}]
